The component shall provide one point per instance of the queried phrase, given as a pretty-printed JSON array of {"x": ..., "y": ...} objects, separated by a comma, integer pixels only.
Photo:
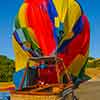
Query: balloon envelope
[{"x": 52, "y": 27}]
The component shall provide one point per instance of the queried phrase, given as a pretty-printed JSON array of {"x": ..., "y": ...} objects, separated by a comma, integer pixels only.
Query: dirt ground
[{"x": 89, "y": 91}]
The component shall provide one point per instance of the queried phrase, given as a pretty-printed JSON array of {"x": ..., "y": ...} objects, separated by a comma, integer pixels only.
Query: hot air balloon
[{"x": 51, "y": 28}]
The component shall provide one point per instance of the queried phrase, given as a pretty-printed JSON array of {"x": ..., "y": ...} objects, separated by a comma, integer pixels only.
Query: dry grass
[
  {"x": 93, "y": 72},
  {"x": 5, "y": 85}
]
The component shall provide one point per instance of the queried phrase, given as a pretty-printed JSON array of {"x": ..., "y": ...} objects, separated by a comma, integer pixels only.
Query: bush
[{"x": 7, "y": 68}]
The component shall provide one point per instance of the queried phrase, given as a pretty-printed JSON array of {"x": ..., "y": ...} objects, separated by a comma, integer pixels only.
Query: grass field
[
  {"x": 5, "y": 85},
  {"x": 93, "y": 72}
]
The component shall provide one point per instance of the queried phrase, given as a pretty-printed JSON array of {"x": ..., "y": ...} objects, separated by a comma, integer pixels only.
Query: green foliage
[
  {"x": 6, "y": 69},
  {"x": 93, "y": 62},
  {"x": 91, "y": 58}
]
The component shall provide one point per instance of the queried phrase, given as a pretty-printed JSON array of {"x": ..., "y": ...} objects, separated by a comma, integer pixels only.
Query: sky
[{"x": 9, "y": 9}]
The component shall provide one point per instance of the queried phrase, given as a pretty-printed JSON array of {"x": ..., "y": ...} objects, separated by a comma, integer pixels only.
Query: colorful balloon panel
[
  {"x": 43, "y": 28},
  {"x": 21, "y": 55},
  {"x": 75, "y": 48},
  {"x": 52, "y": 27},
  {"x": 78, "y": 61}
]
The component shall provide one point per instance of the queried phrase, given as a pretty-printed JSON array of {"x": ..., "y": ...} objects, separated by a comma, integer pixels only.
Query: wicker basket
[{"x": 58, "y": 93}]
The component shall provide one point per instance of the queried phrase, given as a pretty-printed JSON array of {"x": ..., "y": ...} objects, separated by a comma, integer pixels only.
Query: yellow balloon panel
[
  {"x": 73, "y": 14},
  {"x": 67, "y": 4},
  {"x": 21, "y": 56},
  {"x": 62, "y": 8},
  {"x": 71, "y": 18},
  {"x": 58, "y": 5},
  {"x": 22, "y": 15},
  {"x": 57, "y": 22}
]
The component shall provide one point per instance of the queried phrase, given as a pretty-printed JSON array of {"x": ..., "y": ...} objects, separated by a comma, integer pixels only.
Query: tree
[{"x": 7, "y": 68}]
